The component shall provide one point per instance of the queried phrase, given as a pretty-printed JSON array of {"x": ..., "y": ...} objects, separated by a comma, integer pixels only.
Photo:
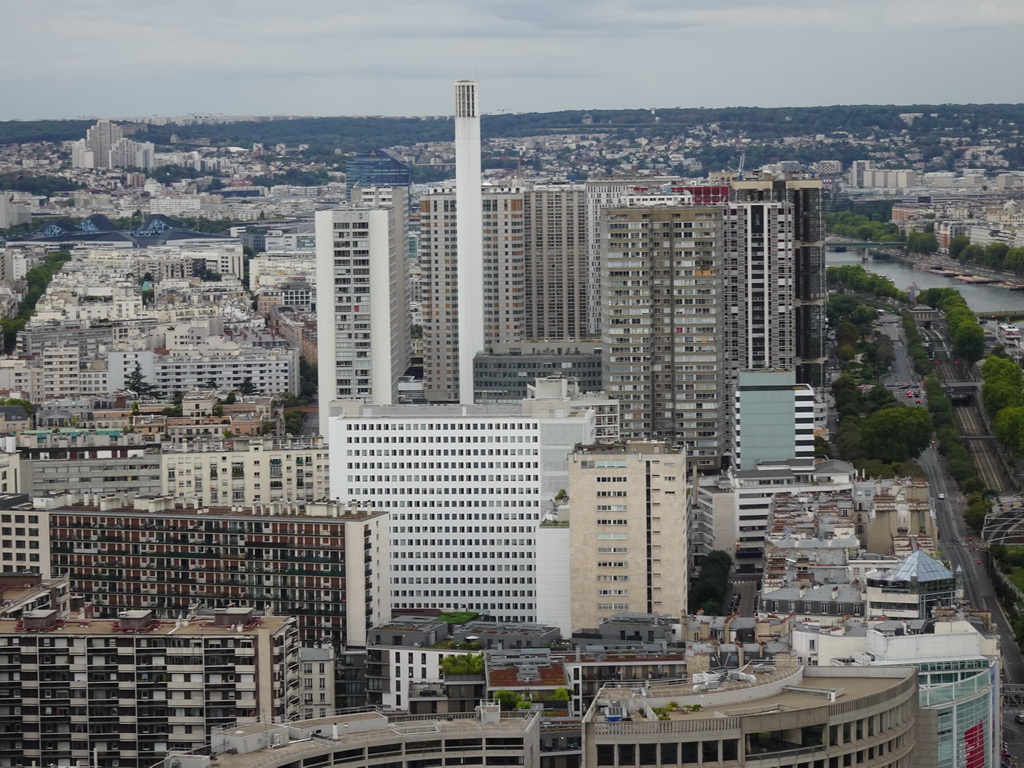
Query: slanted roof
[
  {"x": 13, "y": 412},
  {"x": 918, "y": 566}
]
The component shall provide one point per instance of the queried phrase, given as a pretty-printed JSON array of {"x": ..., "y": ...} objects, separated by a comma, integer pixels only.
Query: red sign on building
[{"x": 974, "y": 746}]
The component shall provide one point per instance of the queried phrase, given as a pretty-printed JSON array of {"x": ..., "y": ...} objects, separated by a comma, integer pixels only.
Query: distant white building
[
  {"x": 225, "y": 363},
  {"x": 12, "y": 213}
]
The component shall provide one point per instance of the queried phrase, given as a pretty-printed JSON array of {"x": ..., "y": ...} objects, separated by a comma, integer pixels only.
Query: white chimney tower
[{"x": 469, "y": 212}]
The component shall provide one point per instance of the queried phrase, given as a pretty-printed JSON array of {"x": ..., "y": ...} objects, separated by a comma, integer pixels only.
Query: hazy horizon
[{"x": 69, "y": 60}]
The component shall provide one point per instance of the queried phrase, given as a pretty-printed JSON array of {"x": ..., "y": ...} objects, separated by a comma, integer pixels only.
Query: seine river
[{"x": 980, "y": 298}]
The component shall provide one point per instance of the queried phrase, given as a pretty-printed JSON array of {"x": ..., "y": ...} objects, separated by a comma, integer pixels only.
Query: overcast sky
[{"x": 123, "y": 58}]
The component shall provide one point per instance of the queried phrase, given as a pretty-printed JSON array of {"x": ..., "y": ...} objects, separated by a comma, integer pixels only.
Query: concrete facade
[
  {"x": 249, "y": 471},
  {"x": 782, "y": 715},
  {"x": 627, "y": 524},
  {"x": 774, "y": 418},
  {"x": 467, "y": 487},
  {"x": 133, "y": 688}
]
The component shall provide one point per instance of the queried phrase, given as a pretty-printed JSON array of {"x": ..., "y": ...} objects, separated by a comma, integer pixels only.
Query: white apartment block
[
  {"x": 281, "y": 243},
  {"x": 183, "y": 205},
  {"x": 19, "y": 375},
  {"x": 628, "y": 531},
  {"x": 248, "y": 472},
  {"x": 362, "y": 314},
  {"x": 227, "y": 365},
  {"x": 316, "y": 681},
  {"x": 224, "y": 258},
  {"x": 14, "y": 264},
  {"x": 380, "y": 197},
  {"x": 25, "y": 540},
  {"x": 94, "y": 150},
  {"x": 557, "y": 396},
  {"x": 13, "y": 213},
  {"x": 125, "y": 153},
  {"x": 82, "y": 295},
  {"x": 270, "y": 270},
  {"x": 464, "y": 485},
  {"x": 60, "y": 372}
]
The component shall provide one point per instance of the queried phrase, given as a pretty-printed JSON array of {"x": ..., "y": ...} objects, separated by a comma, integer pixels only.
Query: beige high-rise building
[
  {"x": 699, "y": 284},
  {"x": 555, "y": 218},
  {"x": 601, "y": 193},
  {"x": 627, "y": 530},
  {"x": 664, "y": 360},
  {"x": 503, "y": 284},
  {"x": 534, "y": 274}
]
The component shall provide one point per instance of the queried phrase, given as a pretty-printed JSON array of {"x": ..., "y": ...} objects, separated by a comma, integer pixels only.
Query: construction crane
[{"x": 739, "y": 169}]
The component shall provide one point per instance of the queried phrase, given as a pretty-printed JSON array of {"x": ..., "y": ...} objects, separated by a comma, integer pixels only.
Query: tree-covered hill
[{"x": 351, "y": 134}]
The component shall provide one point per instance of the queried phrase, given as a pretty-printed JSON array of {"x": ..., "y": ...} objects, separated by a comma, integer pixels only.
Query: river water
[{"x": 980, "y": 298}]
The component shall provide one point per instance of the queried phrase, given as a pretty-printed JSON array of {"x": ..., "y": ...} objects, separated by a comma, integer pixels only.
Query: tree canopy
[
  {"x": 854, "y": 277},
  {"x": 708, "y": 590}
]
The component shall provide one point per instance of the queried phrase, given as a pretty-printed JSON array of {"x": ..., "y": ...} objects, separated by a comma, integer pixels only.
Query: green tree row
[
  {"x": 994, "y": 255},
  {"x": 1002, "y": 395},
  {"x": 37, "y": 278},
  {"x": 962, "y": 324},
  {"x": 875, "y": 429},
  {"x": 853, "y": 277},
  {"x": 922, "y": 242},
  {"x": 45, "y": 186},
  {"x": 918, "y": 355},
  {"x": 852, "y": 322},
  {"x": 857, "y": 226}
]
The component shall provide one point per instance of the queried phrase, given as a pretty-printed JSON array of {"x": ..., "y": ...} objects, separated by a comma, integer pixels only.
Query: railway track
[
  {"x": 984, "y": 451},
  {"x": 952, "y": 372}
]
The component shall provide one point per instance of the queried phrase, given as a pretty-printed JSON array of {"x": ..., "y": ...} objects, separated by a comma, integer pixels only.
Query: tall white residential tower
[{"x": 362, "y": 317}]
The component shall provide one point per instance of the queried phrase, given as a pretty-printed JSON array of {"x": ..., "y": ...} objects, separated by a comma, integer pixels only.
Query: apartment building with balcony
[
  {"x": 325, "y": 564},
  {"x": 246, "y": 471},
  {"x": 362, "y": 308},
  {"x": 88, "y": 461},
  {"x": 126, "y": 691}
]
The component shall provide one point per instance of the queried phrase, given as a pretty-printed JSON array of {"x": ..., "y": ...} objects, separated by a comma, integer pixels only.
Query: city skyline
[{"x": 227, "y": 58}]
